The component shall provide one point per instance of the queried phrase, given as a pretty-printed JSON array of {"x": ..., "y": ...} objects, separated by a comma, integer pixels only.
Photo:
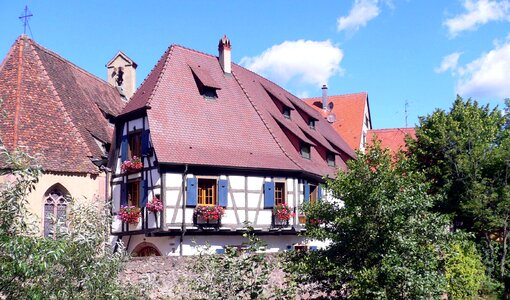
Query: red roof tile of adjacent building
[
  {"x": 243, "y": 127},
  {"x": 349, "y": 111},
  {"x": 391, "y": 138},
  {"x": 54, "y": 108}
]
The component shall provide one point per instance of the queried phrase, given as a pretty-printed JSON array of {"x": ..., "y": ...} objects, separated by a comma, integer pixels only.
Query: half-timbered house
[{"x": 204, "y": 134}]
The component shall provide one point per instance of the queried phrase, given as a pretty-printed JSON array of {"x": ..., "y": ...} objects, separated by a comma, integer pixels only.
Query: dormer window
[
  {"x": 311, "y": 124},
  {"x": 330, "y": 158},
  {"x": 305, "y": 151},
  {"x": 208, "y": 93},
  {"x": 205, "y": 83},
  {"x": 286, "y": 112}
]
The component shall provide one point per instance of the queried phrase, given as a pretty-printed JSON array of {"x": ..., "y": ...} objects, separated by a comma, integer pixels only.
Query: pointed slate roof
[
  {"x": 54, "y": 108},
  {"x": 242, "y": 128},
  {"x": 349, "y": 111}
]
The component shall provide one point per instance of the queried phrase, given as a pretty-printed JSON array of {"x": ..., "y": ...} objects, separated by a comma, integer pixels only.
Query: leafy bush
[
  {"x": 238, "y": 274},
  {"x": 464, "y": 270},
  {"x": 79, "y": 264}
]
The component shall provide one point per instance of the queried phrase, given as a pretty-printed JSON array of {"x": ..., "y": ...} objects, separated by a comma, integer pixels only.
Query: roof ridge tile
[
  {"x": 165, "y": 64},
  {"x": 57, "y": 56}
]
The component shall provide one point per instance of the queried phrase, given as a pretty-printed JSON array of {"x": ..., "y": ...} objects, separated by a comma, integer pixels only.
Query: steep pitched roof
[
  {"x": 54, "y": 108},
  {"x": 391, "y": 138},
  {"x": 349, "y": 111},
  {"x": 243, "y": 127}
]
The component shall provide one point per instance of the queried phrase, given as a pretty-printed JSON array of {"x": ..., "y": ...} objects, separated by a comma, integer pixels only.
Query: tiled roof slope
[
  {"x": 391, "y": 138},
  {"x": 349, "y": 110},
  {"x": 54, "y": 108},
  {"x": 241, "y": 128}
]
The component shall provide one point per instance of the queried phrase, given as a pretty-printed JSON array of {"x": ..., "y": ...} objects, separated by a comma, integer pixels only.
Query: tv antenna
[
  {"x": 24, "y": 18},
  {"x": 405, "y": 110}
]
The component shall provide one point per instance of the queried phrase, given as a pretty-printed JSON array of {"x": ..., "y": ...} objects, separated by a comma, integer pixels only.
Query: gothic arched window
[{"x": 56, "y": 201}]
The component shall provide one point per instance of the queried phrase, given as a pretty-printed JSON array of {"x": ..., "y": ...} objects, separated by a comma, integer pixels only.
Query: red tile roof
[
  {"x": 349, "y": 111},
  {"x": 243, "y": 127},
  {"x": 54, "y": 108},
  {"x": 391, "y": 138}
]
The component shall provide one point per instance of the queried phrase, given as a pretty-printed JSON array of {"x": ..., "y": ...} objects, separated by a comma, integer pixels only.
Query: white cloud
[
  {"x": 449, "y": 62},
  {"x": 487, "y": 77},
  {"x": 310, "y": 62},
  {"x": 361, "y": 12},
  {"x": 478, "y": 12}
]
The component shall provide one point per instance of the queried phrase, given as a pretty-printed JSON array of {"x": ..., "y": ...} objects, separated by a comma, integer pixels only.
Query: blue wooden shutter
[
  {"x": 306, "y": 191},
  {"x": 144, "y": 193},
  {"x": 269, "y": 195},
  {"x": 123, "y": 193},
  {"x": 191, "y": 192},
  {"x": 223, "y": 192},
  {"x": 124, "y": 148},
  {"x": 145, "y": 142},
  {"x": 319, "y": 192}
]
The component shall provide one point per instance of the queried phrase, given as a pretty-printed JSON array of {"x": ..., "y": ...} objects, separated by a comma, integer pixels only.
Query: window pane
[
  {"x": 207, "y": 192},
  {"x": 48, "y": 215},
  {"x": 279, "y": 193},
  {"x": 135, "y": 144},
  {"x": 134, "y": 193},
  {"x": 313, "y": 193}
]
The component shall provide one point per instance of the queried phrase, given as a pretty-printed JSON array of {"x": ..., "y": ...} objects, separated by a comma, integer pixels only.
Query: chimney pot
[
  {"x": 325, "y": 97},
  {"x": 225, "y": 56}
]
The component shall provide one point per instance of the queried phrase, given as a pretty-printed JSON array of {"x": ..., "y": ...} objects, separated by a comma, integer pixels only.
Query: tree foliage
[
  {"x": 465, "y": 154},
  {"x": 79, "y": 264},
  {"x": 384, "y": 242}
]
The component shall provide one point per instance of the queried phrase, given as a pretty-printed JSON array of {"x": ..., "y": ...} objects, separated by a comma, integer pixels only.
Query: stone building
[{"x": 63, "y": 114}]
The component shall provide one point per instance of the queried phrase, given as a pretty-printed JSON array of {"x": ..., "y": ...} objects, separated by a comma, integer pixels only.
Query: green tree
[
  {"x": 465, "y": 154},
  {"x": 464, "y": 270},
  {"x": 79, "y": 264},
  {"x": 384, "y": 242}
]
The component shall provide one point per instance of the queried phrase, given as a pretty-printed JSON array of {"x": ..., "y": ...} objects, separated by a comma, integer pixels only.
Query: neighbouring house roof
[
  {"x": 349, "y": 111},
  {"x": 391, "y": 138},
  {"x": 243, "y": 127},
  {"x": 54, "y": 108}
]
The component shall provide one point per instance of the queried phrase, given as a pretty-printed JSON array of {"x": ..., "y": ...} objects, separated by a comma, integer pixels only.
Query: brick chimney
[
  {"x": 225, "y": 56},
  {"x": 121, "y": 72},
  {"x": 325, "y": 97}
]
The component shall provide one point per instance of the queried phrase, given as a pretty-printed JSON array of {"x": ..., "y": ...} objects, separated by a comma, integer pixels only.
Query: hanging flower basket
[
  {"x": 208, "y": 215},
  {"x": 155, "y": 205},
  {"x": 129, "y": 214},
  {"x": 131, "y": 166}
]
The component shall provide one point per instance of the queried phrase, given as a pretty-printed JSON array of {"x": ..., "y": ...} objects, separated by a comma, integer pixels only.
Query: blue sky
[{"x": 422, "y": 52}]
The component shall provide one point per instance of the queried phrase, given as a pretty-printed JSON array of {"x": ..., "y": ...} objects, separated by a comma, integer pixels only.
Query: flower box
[
  {"x": 281, "y": 215},
  {"x": 132, "y": 166},
  {"x": 155, "y": 205},
  {"x": 208, "y": 216},
  {"x": 129, "y": 214}
]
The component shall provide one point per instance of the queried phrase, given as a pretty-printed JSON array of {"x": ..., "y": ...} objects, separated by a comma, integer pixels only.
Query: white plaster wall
[
  {"x": 253, "y": 196},
  {"x": 194, "y": 244}
]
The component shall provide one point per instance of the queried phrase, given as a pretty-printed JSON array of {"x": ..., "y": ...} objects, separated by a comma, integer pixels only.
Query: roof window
[
  {"x": 330, "y": 158},
  {"x": 311, "y": 123},
  {"x": 305, "y": 151},
  {"x": 205, "y": 83},
  {"x": 286, "y": 112}
]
